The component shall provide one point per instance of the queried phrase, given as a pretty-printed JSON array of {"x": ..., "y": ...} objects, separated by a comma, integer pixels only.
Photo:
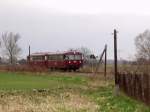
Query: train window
[
  {"x": 72, "y": 57},
  {"x": 66, "y": 57},
  {"x": 52, "y": 57},
  {"x": 49, "y": 58},
  {"x": 69, "y": 57},
  {"x": 55, "y": 57},
  {"x": 78, "y": 57},
  {"x": 60, "y": 57},
  {"x": 38, "y": 58}
]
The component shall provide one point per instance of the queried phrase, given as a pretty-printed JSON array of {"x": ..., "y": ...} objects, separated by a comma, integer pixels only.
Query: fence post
[
  {"x": 136, "y": 86},
  {"x": 139, "y": 87},
  {"x": 148, "y": 86},
  {"x": 146, "y": 89}
]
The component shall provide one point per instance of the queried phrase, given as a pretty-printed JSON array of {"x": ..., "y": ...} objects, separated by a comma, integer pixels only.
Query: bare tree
[
  {"x": 142, "y": 42},
  {"x": 10, "y": 46},
  {"x": 85, "y": 51}
]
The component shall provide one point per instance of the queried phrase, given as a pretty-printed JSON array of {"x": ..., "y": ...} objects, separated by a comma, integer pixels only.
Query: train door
[{"x": 46, "y": 61}]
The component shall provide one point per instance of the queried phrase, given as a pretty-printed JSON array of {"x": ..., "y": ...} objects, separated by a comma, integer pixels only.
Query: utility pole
[
  {"x": 115, "y": 64},
  {"x": 29, "y": 53}
]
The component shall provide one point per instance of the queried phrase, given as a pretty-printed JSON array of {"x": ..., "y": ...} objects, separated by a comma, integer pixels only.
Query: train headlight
[{"x": 69, "y": 61}]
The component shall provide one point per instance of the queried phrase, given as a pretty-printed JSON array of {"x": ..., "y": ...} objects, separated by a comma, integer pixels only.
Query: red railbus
[{"x": 70, "y": 60}]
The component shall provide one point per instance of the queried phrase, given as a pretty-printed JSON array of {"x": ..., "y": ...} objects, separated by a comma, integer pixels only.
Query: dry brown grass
[
  {"x": 23, "y": 68},
  {"x": 100, "y": 70},
  {"x": 65, "y": 102}
]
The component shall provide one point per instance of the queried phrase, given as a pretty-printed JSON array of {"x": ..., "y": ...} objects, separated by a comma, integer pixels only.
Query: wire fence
[{"x": 136, "y": 86}]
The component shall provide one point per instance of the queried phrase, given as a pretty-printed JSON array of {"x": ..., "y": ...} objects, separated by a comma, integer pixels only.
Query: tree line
[{"x": 11, "y": 49}]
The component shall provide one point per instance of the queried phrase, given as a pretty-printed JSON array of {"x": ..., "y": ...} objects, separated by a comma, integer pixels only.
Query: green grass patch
[
  {"x": 63, "y": 92},
  {"x": 35, "y": 81}
]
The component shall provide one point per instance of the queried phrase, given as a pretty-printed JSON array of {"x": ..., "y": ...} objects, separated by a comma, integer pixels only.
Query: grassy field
[{"x": 62, "y": 92}]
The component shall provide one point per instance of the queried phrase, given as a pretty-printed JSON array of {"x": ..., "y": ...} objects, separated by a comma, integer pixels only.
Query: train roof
[{"x": 55, "y": 53}]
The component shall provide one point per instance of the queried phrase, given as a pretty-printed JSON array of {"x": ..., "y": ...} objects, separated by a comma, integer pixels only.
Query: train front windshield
[{"x": 73, "y": 57}]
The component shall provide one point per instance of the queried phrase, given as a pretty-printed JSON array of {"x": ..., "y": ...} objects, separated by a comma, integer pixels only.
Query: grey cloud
[{"x": 52, "y": 31}]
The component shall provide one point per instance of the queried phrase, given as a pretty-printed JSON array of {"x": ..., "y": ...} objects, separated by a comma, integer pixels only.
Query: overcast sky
[{"x": 52, "y": 25}]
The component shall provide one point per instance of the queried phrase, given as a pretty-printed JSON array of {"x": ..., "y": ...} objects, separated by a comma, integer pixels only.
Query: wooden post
[
  {"x": 105, "y": 62},
  {"x": 115, "y": 64},
  {"x": 96, "y": 70}
]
